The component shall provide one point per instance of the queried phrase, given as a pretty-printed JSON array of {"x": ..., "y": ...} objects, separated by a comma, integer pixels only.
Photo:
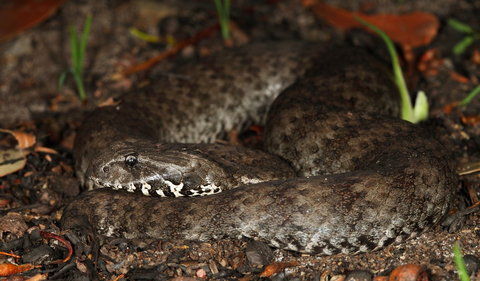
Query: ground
[{"x": 30, "y": 102}]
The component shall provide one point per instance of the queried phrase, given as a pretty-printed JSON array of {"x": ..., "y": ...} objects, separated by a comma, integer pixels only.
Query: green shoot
[
  {"x": 223, "y": 10},
  {"x": 471, "y": 35},
  {"x": 460, "y": 47},
  {"x": 78, "y": 56},
  {"x": 409, "y": 113},
  {"x": 458, "y": 258},
  {"x": 470, "y": 96},
  {"x": 144, "y": 36}
]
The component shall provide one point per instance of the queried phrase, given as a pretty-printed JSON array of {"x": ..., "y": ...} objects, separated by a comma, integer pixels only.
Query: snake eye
[{"x": 131, "y": 160}]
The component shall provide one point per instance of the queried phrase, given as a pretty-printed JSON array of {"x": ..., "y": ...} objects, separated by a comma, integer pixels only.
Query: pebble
[
  {"x": 358, "y": 275},
  {"x": 472, "y": 263}
]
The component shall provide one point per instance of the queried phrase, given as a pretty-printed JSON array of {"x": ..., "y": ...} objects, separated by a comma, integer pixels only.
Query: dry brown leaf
[
  {"x": 24, "y": 140},
  {"x": 68, "y": 141},
  {"x": 4, "y": 202},
  {"x": 205, "y": 33},
  {"x": 470, "y": 120},
  {"x": 415, "y": 29},
  {"x": 13, "y": 223},
  {"x": 7, "y": 269},
  {"x": 67, "y": 168},
  {"x": 109, "y": 102},
  {"x": 19, "y": 15},
  {"x": 408, "y": 272},
  {"x": 458, "y": 77},
  {"x": 12, "y": 160},
  {"x": 449, "y": 107},
  {"x": 276, "y": 267},
  {"x": 45, "y": 150},
  {"x": 476, "y": 56},
  {"x": 38, "y": 277}
]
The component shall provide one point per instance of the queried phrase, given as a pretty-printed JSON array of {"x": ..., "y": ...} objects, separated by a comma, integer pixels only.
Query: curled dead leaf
[
  {"x": 24, "y": 140},
  {"x": 7, "y": 269},
  {"x": 49, "y": 235},
  {"x": 109, "y": 102},
  {"x": 38, "y": 277},
  {"x": 18, "y": 16},
  {"x": 13, "y": 223},
  {"x": 10, "y": 255},
  {"x": 4, "y": 202},
  {"x": 45, "y": 150},
  {"x": 458, "y": 77},
  {"x": 415, "y": 29},
  {"x": 476, "y": 56},
  {"x": 449, "y": 107},
  {"x": 276, "y": 267},
  {"x": 408, "y": 272},
  {"x": 12, "y": 160},
  {"x": 470, "y": 120}
]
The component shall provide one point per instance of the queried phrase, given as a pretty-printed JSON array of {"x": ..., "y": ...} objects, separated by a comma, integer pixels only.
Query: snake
[{"x": 340, "y": 172}]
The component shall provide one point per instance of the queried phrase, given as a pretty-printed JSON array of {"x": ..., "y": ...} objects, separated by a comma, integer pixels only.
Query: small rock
[
  {"x": 13, "y": 223},
  {"x": 39, "y": 255},
  {"x": 472, "y": 263},
  {"x": 408, "y": 272},
  {"x": 359, "y": 275},
  {"x": 279, "y": 276},
  {"x": 259, "y": 254}
]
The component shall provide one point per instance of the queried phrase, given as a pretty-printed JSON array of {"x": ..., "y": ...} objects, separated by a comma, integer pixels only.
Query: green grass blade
[
  {"x": 460, "y": 26},
  {"x": 223, "y": 11},
  {"x": 470, "y": 96},
  {"x": 420, "y": 110},
  {"x": 61, "y": 80},
  {"x": 83, "y": 43},
  {"x": 462, "y": 45},
  {"x": 79, "y": 82},
  {"x": 219, "y": 6},
  {"x": 457, "y": 257},
  {"x": 144, "y": 36},
  {"x": 407, "y": 109},
  {"x": 74, "y": 43},
  {"x": 227, "y": 11}
]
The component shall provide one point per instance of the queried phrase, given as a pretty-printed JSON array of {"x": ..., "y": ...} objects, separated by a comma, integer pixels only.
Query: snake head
[{"x": 167, "y": 170}]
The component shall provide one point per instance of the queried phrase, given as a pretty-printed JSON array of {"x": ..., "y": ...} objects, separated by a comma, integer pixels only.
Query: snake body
[{"x": 364, "y": 179}]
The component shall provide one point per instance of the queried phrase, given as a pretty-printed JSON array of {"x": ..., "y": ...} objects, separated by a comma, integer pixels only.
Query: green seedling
[
  {"x": 470, "y": 96},
  {"x": 223, "y": 10},
  {"x": 458, "y": 259},
  {"x": 144, "y": 36},
  {"x": 409, "y": 113},
  {"x": 78, "y": 55},
  {"x": 471, "y": 35}
]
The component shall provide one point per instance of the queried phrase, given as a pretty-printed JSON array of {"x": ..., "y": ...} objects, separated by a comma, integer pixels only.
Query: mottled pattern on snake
[{"x": 365, "y": 179}]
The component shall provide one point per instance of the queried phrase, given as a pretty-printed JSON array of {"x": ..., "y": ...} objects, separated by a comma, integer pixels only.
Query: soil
[{"x": 32, "y": 62}]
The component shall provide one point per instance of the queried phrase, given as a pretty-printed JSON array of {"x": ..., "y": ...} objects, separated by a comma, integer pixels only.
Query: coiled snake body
[{"x": 365, "y": 179}]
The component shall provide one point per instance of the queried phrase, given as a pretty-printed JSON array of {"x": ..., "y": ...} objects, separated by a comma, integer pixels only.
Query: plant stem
[
  {"x": 457, "y": 257},
  {"x": 407, "y": 109},
  {"x": 223, "y": 10},
  {"x": 83, "y": 43},
  {"x": 470, "y": 96}
]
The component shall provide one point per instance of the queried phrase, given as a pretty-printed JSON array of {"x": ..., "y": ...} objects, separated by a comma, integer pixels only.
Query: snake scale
[{"x": 357, "y": 179}]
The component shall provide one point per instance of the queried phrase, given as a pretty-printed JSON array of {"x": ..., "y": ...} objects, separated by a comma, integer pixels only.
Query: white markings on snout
[
  {"x": 175, "y": 188},
  {"x": 247, "y": 180},
  {"x": 131, "y": 187},
  {"x": 210, "y": 189},
  {"x": 146, "y": 188},
  {"x": 160, "y": 193}
]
